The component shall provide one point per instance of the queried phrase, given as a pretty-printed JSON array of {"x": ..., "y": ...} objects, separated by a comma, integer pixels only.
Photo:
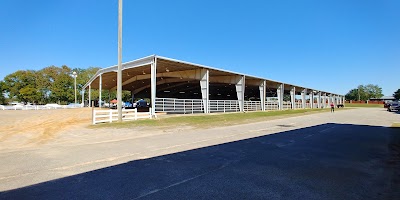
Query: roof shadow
[{"x": 328, "y": 161}]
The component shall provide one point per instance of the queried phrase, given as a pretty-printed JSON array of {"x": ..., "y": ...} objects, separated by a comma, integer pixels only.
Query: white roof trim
[{"x": 149, "y": 59}]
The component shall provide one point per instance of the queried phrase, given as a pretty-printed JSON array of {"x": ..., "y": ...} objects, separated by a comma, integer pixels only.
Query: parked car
[
  {"x": 142, "y": 106},
  {"x": 127, "y": 104},
  {"x": 394, "y": 106}
]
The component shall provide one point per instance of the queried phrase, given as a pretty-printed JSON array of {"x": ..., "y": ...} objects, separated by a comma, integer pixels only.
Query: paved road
[{"x": 349, "y": 154}]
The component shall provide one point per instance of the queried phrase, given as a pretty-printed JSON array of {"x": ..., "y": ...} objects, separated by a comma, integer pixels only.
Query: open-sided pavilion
[{"x": 175, "y": 86}]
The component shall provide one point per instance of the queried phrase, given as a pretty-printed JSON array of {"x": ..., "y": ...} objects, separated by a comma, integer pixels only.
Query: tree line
[
  {"x": 366, "y": 92},
  {"x": 51, "y": 85}
]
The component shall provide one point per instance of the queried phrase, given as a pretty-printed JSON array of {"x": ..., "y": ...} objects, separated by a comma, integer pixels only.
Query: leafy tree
[
  {"x": 18, "y": 80},
  {"x": 364, "y": 92},
  {"x": 286, "y": 97},
  {"x": 51, "y": 85},
  {"x": 29, "y": 94},
  {"x": 397, "y": 94},
  {"x": 2, "y": 90},
  {"x": 373, "y": 91},
  {"x": 352, "y": 95}
]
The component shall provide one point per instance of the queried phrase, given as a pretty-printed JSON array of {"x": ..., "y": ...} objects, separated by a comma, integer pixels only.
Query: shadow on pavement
[{"x": 329, "y": 161}]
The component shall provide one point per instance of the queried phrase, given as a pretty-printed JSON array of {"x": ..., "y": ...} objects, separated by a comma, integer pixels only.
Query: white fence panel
[
  {"x": 101, "y": 116},
  {"x": 287, "y": 105},
  {"x": 224, "y": 106},
  {"x": 182, "y": 106},
  {"x": 252, "y": 105},
  {"x": 271, "y": 105},
  {"x": 298, "y": 104}
]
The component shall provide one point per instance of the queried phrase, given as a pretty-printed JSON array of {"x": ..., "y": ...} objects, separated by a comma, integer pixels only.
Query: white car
[{"x": 2, "y": 107}]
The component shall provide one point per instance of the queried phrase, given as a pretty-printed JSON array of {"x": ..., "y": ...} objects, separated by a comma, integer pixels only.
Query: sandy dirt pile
[{"x": 39, "y": 126}]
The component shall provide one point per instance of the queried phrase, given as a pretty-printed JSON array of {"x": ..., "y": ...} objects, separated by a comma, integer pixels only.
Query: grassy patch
[
  {"x": 364, "y": 105},
  {"x": 396, "y": 125},
  {"x": 211, "y": 120}
]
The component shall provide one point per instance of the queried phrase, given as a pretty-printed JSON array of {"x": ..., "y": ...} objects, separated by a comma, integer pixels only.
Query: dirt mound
[{"x": 40, "y": 126}]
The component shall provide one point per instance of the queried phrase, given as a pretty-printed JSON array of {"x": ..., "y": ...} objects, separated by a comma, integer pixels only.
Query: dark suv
[
  {"x": 142, "y": 106},
  {"x": 393, "y": 106}
]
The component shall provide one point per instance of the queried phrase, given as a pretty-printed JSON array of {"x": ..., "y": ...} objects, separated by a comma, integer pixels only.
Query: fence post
[
  {"x": 110, "y": 115},
  {"x": 224, "y": 105},
  {"x": 93, "y": 117},
  {"x": 135, "y": 113}
]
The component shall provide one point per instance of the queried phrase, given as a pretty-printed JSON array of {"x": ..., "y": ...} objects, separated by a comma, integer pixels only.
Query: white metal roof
[{"x": 149, "y": 59}]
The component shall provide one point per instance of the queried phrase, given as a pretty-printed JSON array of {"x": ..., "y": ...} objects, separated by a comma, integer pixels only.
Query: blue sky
[{"x": 331, "y": 45}]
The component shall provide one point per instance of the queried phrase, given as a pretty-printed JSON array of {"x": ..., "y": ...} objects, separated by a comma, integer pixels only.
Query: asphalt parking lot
[{"x": 351, "y": 154}]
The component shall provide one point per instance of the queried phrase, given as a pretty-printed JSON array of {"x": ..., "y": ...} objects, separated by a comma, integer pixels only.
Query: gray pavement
[{"x": 349, "y": 154}]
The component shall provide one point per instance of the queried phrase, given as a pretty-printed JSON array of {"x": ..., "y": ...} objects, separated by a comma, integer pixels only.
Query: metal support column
[
  {"x": 311, "y": 95},
  {"x": 262, "y": 88},
  {"x": 100, "y": 85},
  {"x": 319, "y": 99},
  {"x": 303, "y": 98},
  {"x": 240, "y": 87},
  {"x": 279, "y": 92},
  {"x": 83, "y": 98},
  {"x": 205, "y": 89},
  {"x": 329, "y": 100},
  {"x": 337, "y": 99},
  {"x": 153, "y": 83},
  {"x": 293, "y": 97},
  {"x": 324, "y": 101},
  {"x": 90, "y": 95}
]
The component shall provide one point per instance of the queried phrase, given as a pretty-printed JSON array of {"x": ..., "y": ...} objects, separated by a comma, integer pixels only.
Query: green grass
[
  {"x": 396, "y": 125},
  {"x": 211, "y": 120},
  {"x": 363, "y": 105}
]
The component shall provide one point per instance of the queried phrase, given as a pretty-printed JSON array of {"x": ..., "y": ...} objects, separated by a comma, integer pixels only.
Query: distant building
[{"x": 384, "y": 98}]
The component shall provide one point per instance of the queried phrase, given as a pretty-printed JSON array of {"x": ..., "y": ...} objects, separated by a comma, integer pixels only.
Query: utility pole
[
  {"x": 74, "y": 74},
  {"x": 119, "y": 73}
]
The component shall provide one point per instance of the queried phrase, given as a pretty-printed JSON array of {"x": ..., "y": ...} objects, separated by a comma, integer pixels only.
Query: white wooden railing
[
  {"x": 101, "y": 116},
  {"x": 252, "y": 106},
  {"x": 182, "y": 106},
  {"x": 298, "y": 104},
  {"x": 287, "y": 105},
  {"x": 271, "y": 105},
  {"x": 224, "y": 106}
]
